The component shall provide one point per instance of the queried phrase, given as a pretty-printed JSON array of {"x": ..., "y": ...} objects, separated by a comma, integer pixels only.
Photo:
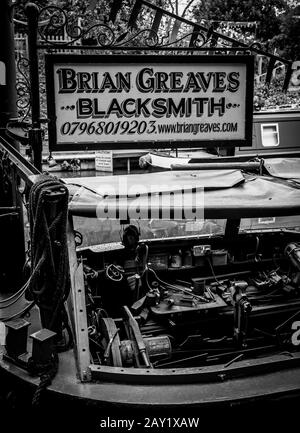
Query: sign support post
[
  {"x": 35, "y": 133},
  {"x": 7, "y": 64}
]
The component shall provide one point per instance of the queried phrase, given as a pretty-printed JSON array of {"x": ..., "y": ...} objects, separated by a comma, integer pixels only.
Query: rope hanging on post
[
  {"x": 49, "y": 282},
  {"x": 48, "y": 208}
]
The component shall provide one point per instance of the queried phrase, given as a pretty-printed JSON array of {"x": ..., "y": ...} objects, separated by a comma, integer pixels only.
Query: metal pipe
[
  {"x": 35, "y": 134},
  {"x": 63, "y": 156},
  {"x": 7, "y": 65},
  {"x": 23, "y": 167},
  {"x": 218, "y": 166},
  {"x": 61, "y": 46}
]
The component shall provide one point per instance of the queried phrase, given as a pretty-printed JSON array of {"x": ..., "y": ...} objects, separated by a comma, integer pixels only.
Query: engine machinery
[{"x": 183, "y": 303}]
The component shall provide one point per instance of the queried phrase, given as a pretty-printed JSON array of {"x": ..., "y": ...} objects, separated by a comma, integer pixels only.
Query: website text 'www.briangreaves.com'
[{"x": 196, "y": 128}]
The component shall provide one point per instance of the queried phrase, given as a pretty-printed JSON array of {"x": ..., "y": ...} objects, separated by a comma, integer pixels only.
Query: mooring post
[{"x": 35, "y": 133}]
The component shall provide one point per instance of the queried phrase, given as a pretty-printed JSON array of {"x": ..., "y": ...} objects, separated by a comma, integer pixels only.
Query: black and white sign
[{"x": 134, "y": 102}]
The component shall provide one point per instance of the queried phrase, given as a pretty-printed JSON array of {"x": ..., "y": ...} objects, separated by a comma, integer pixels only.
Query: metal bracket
[
  {"x": 77, "y": 308},
  {"x": 232, "y": 228}
]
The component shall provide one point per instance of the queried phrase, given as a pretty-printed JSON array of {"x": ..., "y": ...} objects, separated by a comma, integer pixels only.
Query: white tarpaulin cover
[
  {"x": 219, "y": 194},
  {"x": 286, "y": 168}
]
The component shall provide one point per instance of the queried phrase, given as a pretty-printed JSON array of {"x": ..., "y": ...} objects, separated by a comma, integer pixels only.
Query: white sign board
[
  {"x": 98, "y": 103},
  {"x": 104, "y": 161}
]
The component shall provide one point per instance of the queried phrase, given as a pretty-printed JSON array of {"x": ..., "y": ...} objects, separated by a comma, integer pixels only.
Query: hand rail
[{"x": 23, "y": 167}]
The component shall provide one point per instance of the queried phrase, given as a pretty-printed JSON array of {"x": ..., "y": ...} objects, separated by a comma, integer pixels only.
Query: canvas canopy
[{"x": 183, "y": 195}]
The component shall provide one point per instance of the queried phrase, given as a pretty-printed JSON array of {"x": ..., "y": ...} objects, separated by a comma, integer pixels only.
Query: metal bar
[
  {"x": 77, "y": 307},
  {"x": 217, "y": 166},
  {"x": 35, "y": 133},
  {"x": 156, "y": 21},
  {"x": 134, "y": 13},
  {"x": 180, "y": 361},
  {"x": 271, "y": 66},
  {"x": 24, "y": 169},
  {"x": 287, "y": 321},
  {"x": 287, "y": 77},
  {"x": 210, "y": 32},
  {"x": 246, "y": 367},
  {"x": 59, "y": 46},
  {"x": 247, "y": 157},
  {"x": 9, "y": 209},
  {"x": 232, "y": 228},
  {"x": 115, "y": 7}
]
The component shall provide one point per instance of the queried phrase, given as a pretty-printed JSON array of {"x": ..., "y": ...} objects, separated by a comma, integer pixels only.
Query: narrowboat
[{"x": 184, "y": 292}]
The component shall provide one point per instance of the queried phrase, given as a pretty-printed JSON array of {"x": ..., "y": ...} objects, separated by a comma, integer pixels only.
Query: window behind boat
[
  {"x": 266, "y": 223},
  {"x": 96, "y": 231}
]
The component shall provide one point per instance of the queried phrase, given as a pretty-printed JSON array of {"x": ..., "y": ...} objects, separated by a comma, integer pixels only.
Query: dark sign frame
[{"x": 68, "y": 59}]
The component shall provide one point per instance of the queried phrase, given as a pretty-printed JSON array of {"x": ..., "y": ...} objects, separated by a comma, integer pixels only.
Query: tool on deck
[{"x": 242, "y": 309}]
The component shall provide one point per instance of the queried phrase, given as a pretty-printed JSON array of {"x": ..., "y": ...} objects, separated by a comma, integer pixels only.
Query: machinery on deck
[{"x": 169, "y": 304}]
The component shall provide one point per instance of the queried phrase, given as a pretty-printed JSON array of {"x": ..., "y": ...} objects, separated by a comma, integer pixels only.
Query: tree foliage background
[
  {"x": 278, "y": 25},
  {"x": 278, "y": 20}
]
